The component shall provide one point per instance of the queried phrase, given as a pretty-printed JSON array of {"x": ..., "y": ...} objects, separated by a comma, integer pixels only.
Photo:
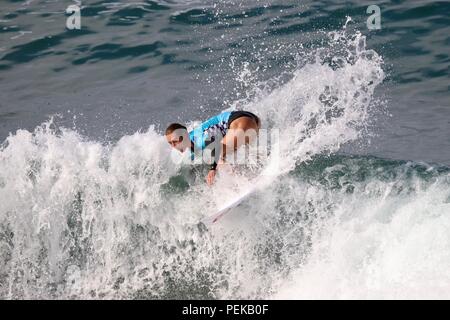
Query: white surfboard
[
  {"x": 228, "y": 207},
  {"x": 258, "y": 183}
]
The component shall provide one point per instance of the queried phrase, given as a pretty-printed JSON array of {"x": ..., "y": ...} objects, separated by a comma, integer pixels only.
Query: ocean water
[{"x": 358, "y": 204}]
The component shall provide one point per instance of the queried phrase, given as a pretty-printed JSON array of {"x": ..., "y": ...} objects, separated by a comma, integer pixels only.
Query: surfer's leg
[{"x": 242, "y": 130}]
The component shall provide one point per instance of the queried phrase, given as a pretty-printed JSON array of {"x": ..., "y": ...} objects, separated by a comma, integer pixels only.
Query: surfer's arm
[
  {"x": 218, "y": 160},
  {"x": 228, "y": 143}
]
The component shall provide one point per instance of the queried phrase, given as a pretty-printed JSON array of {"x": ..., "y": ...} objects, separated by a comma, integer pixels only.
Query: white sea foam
[{"x": 79, "y": 219}]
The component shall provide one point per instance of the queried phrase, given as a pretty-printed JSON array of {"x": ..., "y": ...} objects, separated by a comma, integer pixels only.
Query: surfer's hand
[{"x": 210, "y": 177}]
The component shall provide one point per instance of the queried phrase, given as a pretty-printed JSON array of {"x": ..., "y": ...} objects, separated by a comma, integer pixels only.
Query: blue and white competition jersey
[{"x": 216, "y": 126}]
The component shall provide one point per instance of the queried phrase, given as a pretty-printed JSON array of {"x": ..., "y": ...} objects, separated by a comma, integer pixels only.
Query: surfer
[{"x": 224, "y": 132}]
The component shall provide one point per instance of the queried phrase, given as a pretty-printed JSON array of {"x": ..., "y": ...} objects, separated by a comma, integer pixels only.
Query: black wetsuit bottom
[{"x": 238, "y": 114}]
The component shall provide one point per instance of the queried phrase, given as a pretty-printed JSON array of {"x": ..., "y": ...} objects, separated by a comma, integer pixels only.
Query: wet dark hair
[{"x": 174, "y": 126}]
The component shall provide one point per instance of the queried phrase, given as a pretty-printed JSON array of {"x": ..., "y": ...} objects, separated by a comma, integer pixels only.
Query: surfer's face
[{"x": 178, "y": 140}]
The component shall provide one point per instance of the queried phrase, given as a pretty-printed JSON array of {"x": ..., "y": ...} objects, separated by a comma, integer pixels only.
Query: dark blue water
[{"x": 91, "y": 206}]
